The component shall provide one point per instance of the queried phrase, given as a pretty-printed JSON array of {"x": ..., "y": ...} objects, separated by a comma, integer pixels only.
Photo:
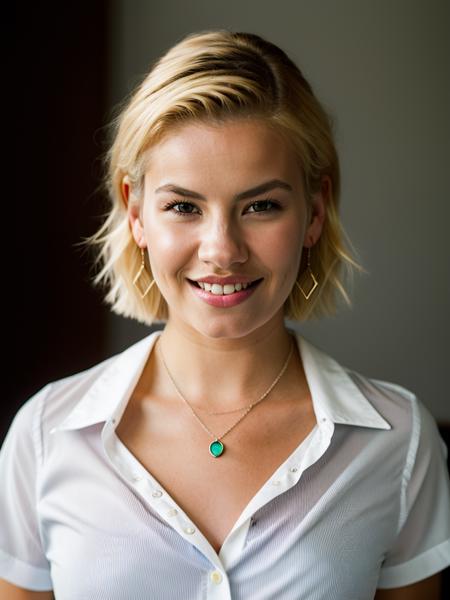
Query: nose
[{"x": 222, "y": 244}]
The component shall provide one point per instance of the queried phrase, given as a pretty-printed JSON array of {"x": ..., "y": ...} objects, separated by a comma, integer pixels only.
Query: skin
[
  {"x": 8, "y": 591},
  {"x": 427, "y": 589},
  {"x": 233, "y": 352}
]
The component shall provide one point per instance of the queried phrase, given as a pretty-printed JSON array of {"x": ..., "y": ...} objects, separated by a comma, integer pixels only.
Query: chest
[
  {"x": 91, "y": 520},
  {"x": 174, "y": 448}
]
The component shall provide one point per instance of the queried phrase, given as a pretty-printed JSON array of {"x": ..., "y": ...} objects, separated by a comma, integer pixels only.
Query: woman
[{"x": 223, "y": 456}]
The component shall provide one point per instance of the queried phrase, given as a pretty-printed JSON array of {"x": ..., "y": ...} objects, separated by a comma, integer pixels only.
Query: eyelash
[{"x": 173, "y": 203}]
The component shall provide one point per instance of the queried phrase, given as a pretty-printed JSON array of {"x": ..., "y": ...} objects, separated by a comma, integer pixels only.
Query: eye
[
  {"x": 171, "y": 205},
  {"x": 258, "y": 204}
]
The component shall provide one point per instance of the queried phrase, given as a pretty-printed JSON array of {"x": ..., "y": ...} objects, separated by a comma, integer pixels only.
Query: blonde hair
[{"x": 211, "y": 76}]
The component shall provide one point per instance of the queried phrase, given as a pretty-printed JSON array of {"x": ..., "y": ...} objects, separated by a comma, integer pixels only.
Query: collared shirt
[{"x": 362, "y": 503}]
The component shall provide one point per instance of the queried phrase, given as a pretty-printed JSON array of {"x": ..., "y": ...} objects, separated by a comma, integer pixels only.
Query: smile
[
  {"x": 228, "y": 289},
  {"x": 223, "y": 297}
]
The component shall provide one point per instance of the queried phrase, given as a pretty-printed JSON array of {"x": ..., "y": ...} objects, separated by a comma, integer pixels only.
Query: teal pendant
[{"x": 216, "y": 448}]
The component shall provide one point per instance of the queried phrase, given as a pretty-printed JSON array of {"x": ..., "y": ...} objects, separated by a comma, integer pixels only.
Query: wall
[{"x": 56, "y": 323}]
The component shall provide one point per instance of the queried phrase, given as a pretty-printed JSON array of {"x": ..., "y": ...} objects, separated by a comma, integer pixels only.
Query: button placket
[
  {"x": 189, "y": 529},
  {"x": 153, "y": 494},
  {"x": 171, "y": 511},
  {"x": 216, "y": 577}
]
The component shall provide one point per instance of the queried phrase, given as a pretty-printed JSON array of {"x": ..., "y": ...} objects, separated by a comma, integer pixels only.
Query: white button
[
  {"x": 293, "y": 469},
  {"x": 323, "y": 420},
  {"x": 137, "y": 478},
  {"x": 276, "y": 482},
  {"x": 216, "y": 576},
  {"x": 172, "y": 512},
  {"x": 189, "y": 530},
  {"x": 157, "y": 494},
  {"x": 113, "y": 421}
]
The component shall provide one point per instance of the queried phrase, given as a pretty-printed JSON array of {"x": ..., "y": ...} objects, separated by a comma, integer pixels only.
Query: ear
[
  {"x": 318, "y": 213},
  {"x": 132, "y": 203}
]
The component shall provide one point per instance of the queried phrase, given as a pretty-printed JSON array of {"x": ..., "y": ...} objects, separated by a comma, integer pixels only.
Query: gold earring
[
  {"x": 311, "y": 274},
  {"x": 138, "y": 276}
]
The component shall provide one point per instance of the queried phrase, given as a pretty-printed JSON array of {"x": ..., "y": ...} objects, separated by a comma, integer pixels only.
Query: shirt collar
[{"x": 334, "y": 394}]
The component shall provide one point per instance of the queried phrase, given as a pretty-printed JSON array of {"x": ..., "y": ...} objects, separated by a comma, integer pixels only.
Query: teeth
[{"x": 220, "y": 290}]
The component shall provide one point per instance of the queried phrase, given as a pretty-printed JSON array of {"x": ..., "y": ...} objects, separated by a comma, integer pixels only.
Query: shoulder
[
  {"x": 410, "y": 418},
  {"x": 65, "y": 393},
  {"x": 52, "y": 402},
  {"x": 398, "y": 404},
  {"x": 384, "y": 393},
  {"x": 355, "y": 394}
]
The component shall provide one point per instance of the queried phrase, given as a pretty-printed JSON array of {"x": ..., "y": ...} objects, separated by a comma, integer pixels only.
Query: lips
[
  {"x": 253, "y": 283},
  {"x": 224, "y": 301}
]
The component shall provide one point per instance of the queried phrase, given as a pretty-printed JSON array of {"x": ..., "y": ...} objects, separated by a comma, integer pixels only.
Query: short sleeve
[
  {"x": 422, "y": 545},
  {"x": 22, "y": 559}
]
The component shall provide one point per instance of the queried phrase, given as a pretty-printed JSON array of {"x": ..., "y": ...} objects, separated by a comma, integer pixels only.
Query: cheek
[
  {"x": 283, "y": 245},
  {"x": 163, "y": 240},
  {"x": 167, "y": 249},
  {"x": 160, "y": 239}
]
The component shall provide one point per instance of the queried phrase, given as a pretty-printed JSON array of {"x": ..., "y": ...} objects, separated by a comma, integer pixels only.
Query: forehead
[{"x": 239, "y": 147}]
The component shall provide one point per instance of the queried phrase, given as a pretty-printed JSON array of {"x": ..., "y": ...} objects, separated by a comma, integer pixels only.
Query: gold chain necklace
[{"x": 216, "y": 448}]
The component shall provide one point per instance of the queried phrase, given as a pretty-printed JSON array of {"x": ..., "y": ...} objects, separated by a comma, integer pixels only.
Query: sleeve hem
[
  {"x": 425, "y": 565},
  {"x": 24, "y": 575}
]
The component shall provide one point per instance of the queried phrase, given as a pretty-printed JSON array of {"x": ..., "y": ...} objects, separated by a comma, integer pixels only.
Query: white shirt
[{"x": 362, "y": 503}]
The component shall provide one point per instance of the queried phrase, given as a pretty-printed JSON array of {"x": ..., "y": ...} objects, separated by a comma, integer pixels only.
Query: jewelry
[
  {"x": 310, "y": 273},
  {"x": 216, "y": 448},
  {"x": 138, "y": 276}
]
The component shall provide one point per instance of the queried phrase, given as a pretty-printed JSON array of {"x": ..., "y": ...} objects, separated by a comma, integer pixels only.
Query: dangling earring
[
  {"x": 138, "y": 276},
  {"x": 311, "y": 274}
]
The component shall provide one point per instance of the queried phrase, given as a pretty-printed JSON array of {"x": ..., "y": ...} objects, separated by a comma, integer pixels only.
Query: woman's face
[{"x": 259, "y": 236}]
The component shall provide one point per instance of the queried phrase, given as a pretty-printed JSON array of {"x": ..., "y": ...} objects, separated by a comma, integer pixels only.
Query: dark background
[
  {"x": 61, "y": 73},
  {"x": 58, "y": 319}
]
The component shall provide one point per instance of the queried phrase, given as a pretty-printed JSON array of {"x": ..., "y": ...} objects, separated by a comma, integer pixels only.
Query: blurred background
[{"x": 380, "y": 68}]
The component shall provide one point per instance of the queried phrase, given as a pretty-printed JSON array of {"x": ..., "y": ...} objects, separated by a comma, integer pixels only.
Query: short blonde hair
[{"x": 211, "y": 76}]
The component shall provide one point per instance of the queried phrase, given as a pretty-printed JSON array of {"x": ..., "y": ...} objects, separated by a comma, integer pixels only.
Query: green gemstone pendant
[{"x": 216, "y": 448}]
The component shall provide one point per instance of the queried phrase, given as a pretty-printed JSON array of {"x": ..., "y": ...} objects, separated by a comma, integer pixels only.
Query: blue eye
[{"x": 171, "y": 206}]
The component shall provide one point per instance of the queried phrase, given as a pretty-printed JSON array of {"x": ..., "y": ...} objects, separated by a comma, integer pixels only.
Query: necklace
[{"x": 217, "y": 448}]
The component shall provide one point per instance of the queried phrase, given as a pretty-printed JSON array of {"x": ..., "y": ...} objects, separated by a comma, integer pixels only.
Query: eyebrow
[{"x": 259, "y": 189}]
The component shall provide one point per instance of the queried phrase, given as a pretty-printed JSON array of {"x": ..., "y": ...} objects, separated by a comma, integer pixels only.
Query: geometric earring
[
  {"x": 139, "y": 275},
  {"x": 305, "y": 276}
]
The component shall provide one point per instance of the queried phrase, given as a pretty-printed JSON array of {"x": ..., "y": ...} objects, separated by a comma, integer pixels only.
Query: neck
[{"x": 224, "y": 373}]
